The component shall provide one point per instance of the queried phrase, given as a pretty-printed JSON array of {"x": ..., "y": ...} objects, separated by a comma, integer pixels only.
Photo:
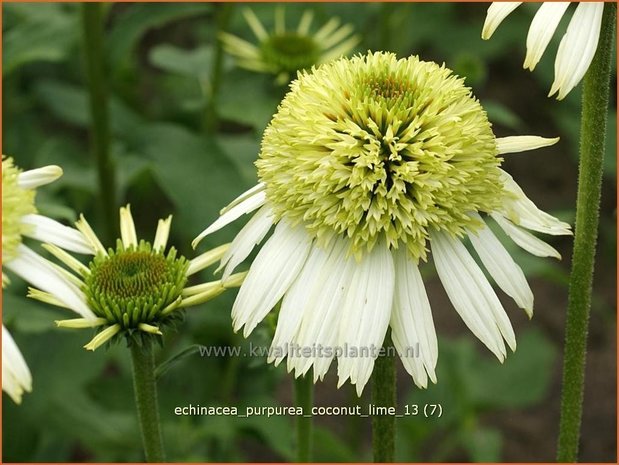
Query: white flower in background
[
  {"x": 283, "y": 52},
  {"x": 134, "y": 290},
  {"x": 19, "y": 220},
  {"x": 577, "y": 47},
  {"x": 370, "y": 164}
]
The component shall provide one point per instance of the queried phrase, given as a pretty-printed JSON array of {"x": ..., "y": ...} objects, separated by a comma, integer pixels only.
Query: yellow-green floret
[{"x": 376, "y": 148}]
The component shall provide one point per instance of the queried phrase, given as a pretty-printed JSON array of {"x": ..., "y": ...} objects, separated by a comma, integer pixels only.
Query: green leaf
[
  {"x": 194, "y": 63},
  {"x": 483, "y": 444},
  {"x": 165, "y": 366}
]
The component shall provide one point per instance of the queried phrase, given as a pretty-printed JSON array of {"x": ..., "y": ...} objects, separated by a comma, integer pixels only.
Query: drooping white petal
[
  {"x": 541, "y": 31},
  {"x": 326, "y": 30},
  {"x": 502, "y": 267},
  {"x": 512, "y": 144},
  {"x": 127, "y": 228},
  {"x": 162, "y": 234},
  {"x": 245, "y": 241},
  {"x": 32, "y": 179},
  {"x": 68, "y": 259},
  {"x": 525, "y": 239},
  {"x": 45, "y": 229},
  {"x": 16, "y": 377},
  {"x": 471, "y": 294},
  {"x": 273, "y": 271},
  {"x": 577, "y": 48},
  {"x": 255, "y": 24},
  {"x": 245, "y": 206},
  {"x": 305, "y": 22},
  {"x": 40, "y": 273},
  {"x": 412, "y": 326},
  {"x": 206, "y": 259},
  {"x": 366, "y": 312},
  {"x": 497, "y": 12},
  {"x": 83, "y": 227},
  {"x": 523, "y": 212}
]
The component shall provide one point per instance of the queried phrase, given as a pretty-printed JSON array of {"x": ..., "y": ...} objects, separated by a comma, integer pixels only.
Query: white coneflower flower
[
  {"x": 134, "y": 290},
  {"x": 20, "y": 219},
  {"x": 577, "y": 47},
  {"x": 283, "y": 52},
  {"x": 368, "y": 164}
]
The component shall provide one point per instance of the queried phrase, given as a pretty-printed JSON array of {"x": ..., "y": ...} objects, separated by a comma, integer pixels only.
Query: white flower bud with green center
[
  {"x": 370, "y": 166},
  {"x": 375, "y": 147},
  {"x": 133, "y": 291}
]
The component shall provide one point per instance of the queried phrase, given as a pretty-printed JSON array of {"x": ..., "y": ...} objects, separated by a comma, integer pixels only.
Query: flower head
[
  {"x": 283, "y": 52},
  {"x": 20, "y": 220},
  {"x": 134, "y": 290},
  {"x": 370, "y": 165},
  {"x": 577, "y": 47}
]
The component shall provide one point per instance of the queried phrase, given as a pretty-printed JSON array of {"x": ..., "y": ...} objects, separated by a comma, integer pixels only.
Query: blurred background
[{"x": 186, "y": 125}]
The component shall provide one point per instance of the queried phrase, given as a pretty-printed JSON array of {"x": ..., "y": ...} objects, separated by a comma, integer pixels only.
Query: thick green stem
[
  {"x": 223, "y": 12},
  {"x": 145, "y": 388},
  {"x": 595, "y": 93},
  {"x": 304, "y": 397},
  {"x": 92, "y": 25},
  {"x": 384, "y": 395}
]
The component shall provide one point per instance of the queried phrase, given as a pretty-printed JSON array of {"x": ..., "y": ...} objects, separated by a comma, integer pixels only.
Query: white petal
[
  {"x": 255, "y": 24},
  {"x": 523, "y": 212},
  {"x": 326, "y": 30},
  {"x": 16, "y": 377},
  {"x": 127, "y": 228},
  {"x": 41, "y": 274},
  {"x": 245, "y": 241},
  {"x": 525, "y": 239},
  {"x": 514, "y": 144},
  {"x": 502, "y": 267},
  {"x": 541, "y": 31},
  {"x": 206, "y": 259},
  {"x": 162, "y": 234},
  {"x": 471, "y": 294},
  {"x": 273, "y": 271},
  {"x": 83, "y": 227},
  {"x": 411, "y": 323},
  {"x": 577, "y": 48},
  {"x": 32, "y": 179},
  {"x": 245, "y": 206},
  {"x": 305, "y": 23},
  {"x": 365, "y": 315},
  {"x": 497, "y": 12},
  {"x": 52, "y": 232}
]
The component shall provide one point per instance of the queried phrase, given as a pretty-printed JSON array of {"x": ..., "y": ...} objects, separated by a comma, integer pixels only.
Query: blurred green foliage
[{"x": 160, "y": 70}]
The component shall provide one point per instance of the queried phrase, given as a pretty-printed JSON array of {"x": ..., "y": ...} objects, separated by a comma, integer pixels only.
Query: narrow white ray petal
[
  {"x": 497, "y": 12},
  {"x": 342, "y": 49},
  {"x": 541, "y": 31},
  {"x": 104, "y": 336},
  {"x": 305, "y": 23},
  {"x": 280, "y": 20},
  {"x": 67, "y": 259},
  {"x": 577, "y": 48},
  {"x": 525, "y": 239},
  {"x": 411, "y": 322},
  {"x": 16, "y": 377},
  {"x": 246, "y": 206},
  {"x": 245, "y": 241},
  {"x": 502, "y": 267},
  {"x": 523, "y": 212},
  {"x": 42, "y": 274},
  {"x": 365, "y": 315},
  {"x": 513, "y": 144},
  {"x": 206, "y": 259},
  {"x": 244, "y": 196},
  {"x": 81, "y": 323},
  {"x": 45, "y": 297},
  {"x": 32, "y": 179},
  {"x": 255, "y": 24},
  {"x": 239, "y": 47},
  {"x": 326, "y": 29},
  {"x": 83, "y": 227},
  {"x": 47, "y": 230},
  {"x": 471, "y": 294},
  {"x": 337, "y": 36},
  {"x": 273, "y": 271},
  {"x": 294, "y": 305},
  {"x": 127, "y": 228},
  {"x": 162, "y": 234}
]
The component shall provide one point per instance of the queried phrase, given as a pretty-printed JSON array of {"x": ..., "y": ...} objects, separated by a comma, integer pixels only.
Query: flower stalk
[
  {"x": 384, "y": 395},
  {"x": 595, "y": 95},
  {"x": 92, "y": 24},
  {"x": 304, "y": 397},
  {"x": 146, "y": 401}
]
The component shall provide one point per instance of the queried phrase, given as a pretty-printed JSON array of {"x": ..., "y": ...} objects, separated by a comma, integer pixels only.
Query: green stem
[
  {"x": 304, "y": 397},
  {"x": 92, "y": 24},
  {"x": 145, "y": 387},
  {"x": 384, "y": 395},
  {"x": 595, "y": 94},
  {"x": 223, "y": 12}
]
